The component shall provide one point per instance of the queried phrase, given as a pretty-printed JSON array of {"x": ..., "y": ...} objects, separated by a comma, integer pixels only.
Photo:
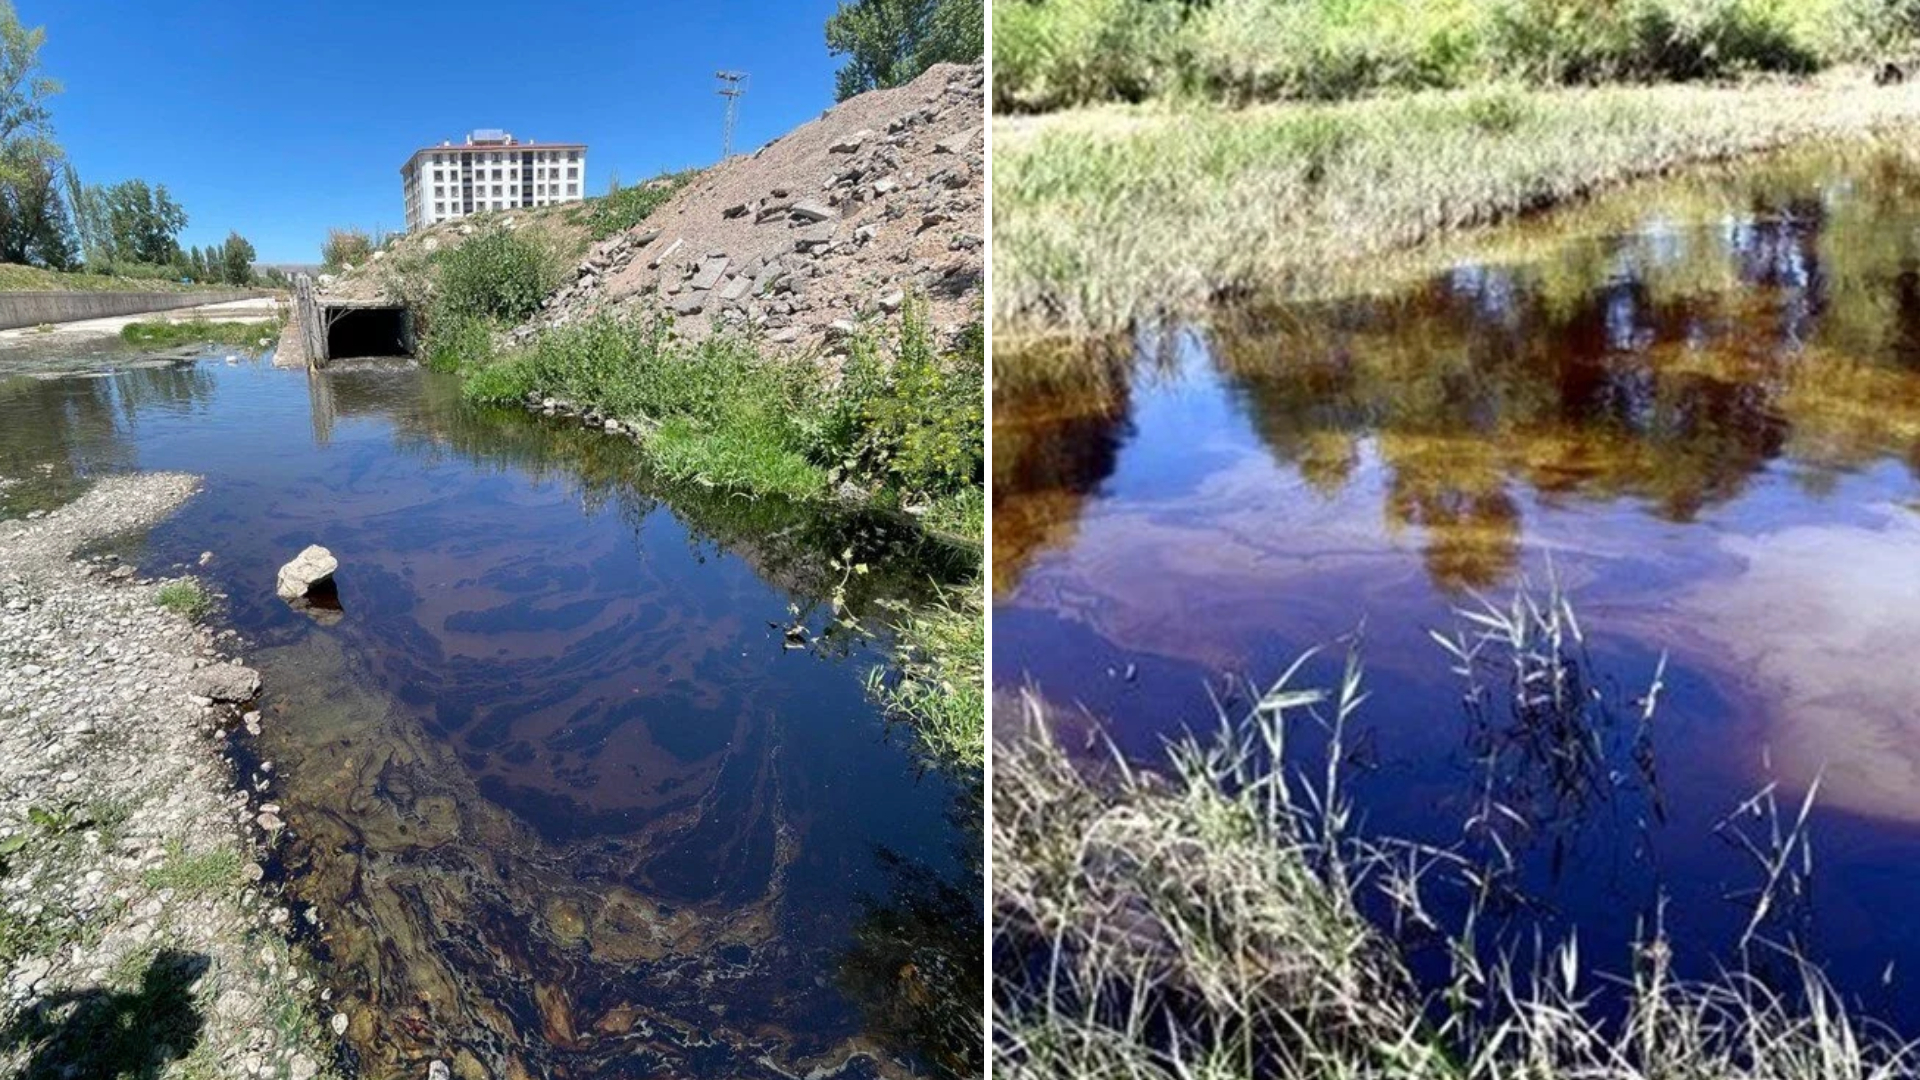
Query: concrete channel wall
[{"x": 33, "y": 308}]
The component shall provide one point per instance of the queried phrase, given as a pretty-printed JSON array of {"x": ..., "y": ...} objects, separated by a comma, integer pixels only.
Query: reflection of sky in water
[
  {"x": 564, "y": 797},
  {"x": 1711, "y": 425}
]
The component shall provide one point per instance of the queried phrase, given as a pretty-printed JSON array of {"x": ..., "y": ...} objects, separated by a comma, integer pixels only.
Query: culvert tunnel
[{"x": 368, "y": 330}]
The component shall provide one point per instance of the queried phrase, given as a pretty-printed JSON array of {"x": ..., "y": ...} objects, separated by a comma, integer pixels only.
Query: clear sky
[{"x": 281, "y": 118}]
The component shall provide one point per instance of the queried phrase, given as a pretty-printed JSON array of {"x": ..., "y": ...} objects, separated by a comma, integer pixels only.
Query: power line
[{"x": 732, "y": 86}]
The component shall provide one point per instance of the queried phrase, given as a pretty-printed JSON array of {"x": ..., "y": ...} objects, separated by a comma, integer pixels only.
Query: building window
[
  {"x": 573, "y": 189},
  {"x": 573, "y": 155},
  {"x": 439, "y": 208}
]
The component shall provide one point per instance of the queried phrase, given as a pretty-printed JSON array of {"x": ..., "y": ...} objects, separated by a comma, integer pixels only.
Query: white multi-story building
[{"x": 491, "y": 171}]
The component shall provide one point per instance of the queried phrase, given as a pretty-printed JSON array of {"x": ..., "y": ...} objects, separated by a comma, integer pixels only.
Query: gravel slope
[{"x": 134, "y": 931}]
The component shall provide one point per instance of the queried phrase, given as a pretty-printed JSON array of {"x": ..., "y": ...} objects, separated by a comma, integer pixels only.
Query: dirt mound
[
  {"x": 383, "y": 279},
  {"x": 841, "y": 218}
]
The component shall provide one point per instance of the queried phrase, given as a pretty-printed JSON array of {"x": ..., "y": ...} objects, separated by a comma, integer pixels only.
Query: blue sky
[{"x": 281, "y": 118}]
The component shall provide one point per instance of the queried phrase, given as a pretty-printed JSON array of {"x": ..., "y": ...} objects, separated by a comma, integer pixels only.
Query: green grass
[
  {"x": 185, "y": 597},
  {"x": 903, "y": 422},
  {"x": 1209, "y": 918},
  {"x": 1051, "y": 54},
  {"x": 1104, "y": 218},
  {"x": 937, "y": 681},
  {"x": 629, "y": 206},
  {"x": 160, "y": 333},
  {"x": 205, "y": 873},
  {"x": 17, "y": 278}
]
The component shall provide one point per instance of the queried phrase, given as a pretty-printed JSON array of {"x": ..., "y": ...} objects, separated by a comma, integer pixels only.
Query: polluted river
[
  {"x": 1692, "y": 411},
  {"x": 578, "y": 774}
]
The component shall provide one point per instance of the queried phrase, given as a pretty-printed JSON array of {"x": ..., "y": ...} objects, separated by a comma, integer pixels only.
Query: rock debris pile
[{"x": 838, "y": 220}]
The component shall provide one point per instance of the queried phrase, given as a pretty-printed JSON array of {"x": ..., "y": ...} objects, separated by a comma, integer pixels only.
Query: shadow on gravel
[{"x": 106, "y": 1033}]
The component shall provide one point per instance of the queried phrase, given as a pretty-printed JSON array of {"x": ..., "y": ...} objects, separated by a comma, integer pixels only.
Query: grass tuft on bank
[
  {"x": 161, "y": 334},
  {"x": 1108, "y": 217},
  {"x": 1211, "y": 917},
  {"x": 937, "y": 681},
  {"x": 185, "y": 597}
]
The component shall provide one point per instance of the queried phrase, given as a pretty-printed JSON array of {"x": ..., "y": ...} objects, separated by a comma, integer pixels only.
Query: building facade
[{"x": 490, "y": 171}]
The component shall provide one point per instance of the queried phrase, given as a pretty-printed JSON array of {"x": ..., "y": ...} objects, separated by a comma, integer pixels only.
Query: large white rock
[{"x": 309, "y": 568}]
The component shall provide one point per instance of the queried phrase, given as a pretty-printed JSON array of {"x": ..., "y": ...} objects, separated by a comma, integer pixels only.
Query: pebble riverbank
[{"x": 137, "y": 936}]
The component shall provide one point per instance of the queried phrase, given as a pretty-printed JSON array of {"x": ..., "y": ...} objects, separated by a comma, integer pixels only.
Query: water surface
[
  {"x": 1697, "y": 406},
  {"x": 565, "y": 795}
]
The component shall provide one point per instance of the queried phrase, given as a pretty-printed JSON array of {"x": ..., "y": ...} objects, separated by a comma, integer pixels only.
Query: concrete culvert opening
[{"x": 368, "y": 331}]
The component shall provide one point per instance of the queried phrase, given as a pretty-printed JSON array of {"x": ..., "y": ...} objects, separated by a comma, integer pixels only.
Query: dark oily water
[
  {"x": 1697, "y": 406},
  {"x": 563, "y": 794}
]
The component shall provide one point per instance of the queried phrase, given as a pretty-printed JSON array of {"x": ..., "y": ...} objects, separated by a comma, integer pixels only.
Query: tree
[
  {"x": 34, "y": 227},
  {"x": 143, "y": 224},
  {"x": 25, "y": 132},
  {"x": 890, "y": 42},
  {"x": 236, "y": 260}
]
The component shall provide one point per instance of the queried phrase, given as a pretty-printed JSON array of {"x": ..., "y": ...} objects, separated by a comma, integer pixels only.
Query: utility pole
[{"x": 732, "y": 85}]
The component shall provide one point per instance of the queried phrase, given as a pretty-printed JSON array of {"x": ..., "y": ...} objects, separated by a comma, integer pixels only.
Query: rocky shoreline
[{"x": 137, "y": 933}]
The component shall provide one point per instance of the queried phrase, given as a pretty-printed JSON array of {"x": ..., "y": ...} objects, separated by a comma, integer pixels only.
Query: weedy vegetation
[
  {"x": 903, "y": 423},
  {"x": 937, "y": 680},
  {"x": 1051, "y": 54},
  {"x": 194, "y": 874},
  {"x": 1102, "y": 221},
  {"x": 623, "y": 208},
  {"x": 1212, "y": 917},
  {"x": 161, "y": 334},
  {"x": 185, "y": 597}
]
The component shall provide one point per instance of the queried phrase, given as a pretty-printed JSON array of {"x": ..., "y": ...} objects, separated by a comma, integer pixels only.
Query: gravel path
[{"x": 134, "y": 931}]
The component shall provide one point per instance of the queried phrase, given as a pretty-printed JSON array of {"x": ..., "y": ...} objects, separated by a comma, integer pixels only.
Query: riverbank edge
[
  {"x": 136, "y": 921},
  {"x": 931, "y": 647},
  {"x": 1224, "y": 912},
  {"x": 1108, "y": 217}
]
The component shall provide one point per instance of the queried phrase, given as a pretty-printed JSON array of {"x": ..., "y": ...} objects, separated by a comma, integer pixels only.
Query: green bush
[
  {"x": 622, "y": 209},
  {"x": 456, "y": 342},
  {"x": 496, "y": 274},
  {"x": 902, "y": 418},
  {"x": 1055, "y": 53},
  {"x": 346, "y": 247},
  {"x": 912, "y": 420},
  {"x": 716, "y": 412}
]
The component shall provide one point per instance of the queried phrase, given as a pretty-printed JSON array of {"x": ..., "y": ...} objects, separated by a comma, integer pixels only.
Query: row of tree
[
  {"x": 890, "y": 42},
  {"x": 49, "y": 218}
]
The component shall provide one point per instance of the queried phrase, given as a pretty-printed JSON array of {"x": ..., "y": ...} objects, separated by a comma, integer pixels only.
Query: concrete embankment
[{"x": 37, "y": 308}]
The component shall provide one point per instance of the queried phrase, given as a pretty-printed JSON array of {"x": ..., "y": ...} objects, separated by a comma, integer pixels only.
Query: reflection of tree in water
[
  {"x": 1052, "y": 448},
  {"x": 1667, "y": 366},
  {"x": 914, "y": 967},
  {"x": 58, "y": 433}
]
